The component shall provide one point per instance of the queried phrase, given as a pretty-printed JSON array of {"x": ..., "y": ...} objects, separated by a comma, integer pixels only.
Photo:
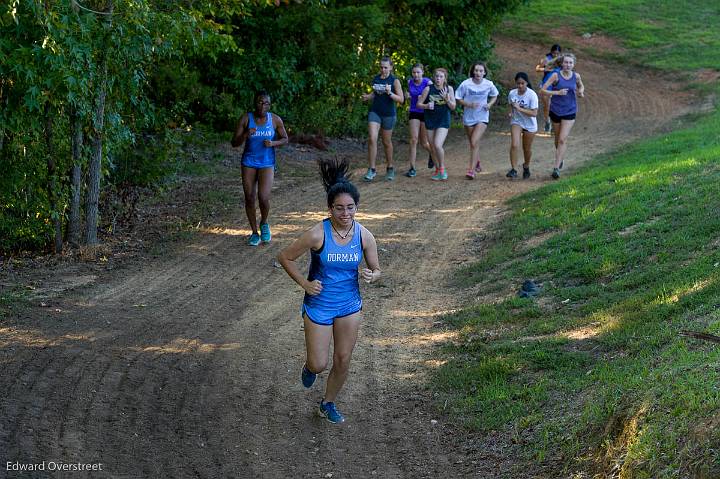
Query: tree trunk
[
  {"x": 95, "y": 167},
  {"x": 76, "y": 178},
  {"x": 52, "y": 182}
]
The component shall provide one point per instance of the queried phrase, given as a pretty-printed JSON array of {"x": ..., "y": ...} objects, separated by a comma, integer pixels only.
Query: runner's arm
[
  {"x": 421, "y": 99},
  {"x": 311, "y": 239},
  {"x": 452, "y": 103},
  {"x": 527, "y": 111},
  {"x": 550, "y": 82},
  {"x": 581, "y": 86},
  {"x": 397, "y": 95},
  {"x": 241, "y": 132},
  {"x": 541, "y": 65},
  {"x": 491, "y": 101},
  {"x": 280, "y": 129},
  {"x": 372, "y": 272}
]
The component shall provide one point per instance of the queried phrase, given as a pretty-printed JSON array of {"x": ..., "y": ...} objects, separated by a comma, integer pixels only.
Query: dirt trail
[{"x": 188, "y": 366}]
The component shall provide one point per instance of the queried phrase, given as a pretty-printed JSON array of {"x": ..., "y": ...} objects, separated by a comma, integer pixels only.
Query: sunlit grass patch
[{"x": 629, "y": 258}]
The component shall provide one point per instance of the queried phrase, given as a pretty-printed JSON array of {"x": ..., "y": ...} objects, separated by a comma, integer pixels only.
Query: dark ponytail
[
  {"x": 525, "y": 77},
  {"x": 334, "y": 173}
]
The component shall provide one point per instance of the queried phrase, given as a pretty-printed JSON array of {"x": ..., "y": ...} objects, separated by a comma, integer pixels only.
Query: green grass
[
  {"x": 665, "y": 34},
  {"x": 634, "y": 259},
  {"x": 10, "y": 298},
  {"x": 593, "y": 376}
]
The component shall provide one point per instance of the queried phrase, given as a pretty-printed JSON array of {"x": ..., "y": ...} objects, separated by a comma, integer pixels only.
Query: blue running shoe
[
  {"x": 254, "y": 239},
  {"x": 307, "y": 376},
  {"x": 265, "y": 234},
  {"x": 330, "y": 412},
  {"x": 370, "y": 175}
]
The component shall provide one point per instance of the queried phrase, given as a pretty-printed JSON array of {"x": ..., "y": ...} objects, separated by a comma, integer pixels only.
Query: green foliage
[
  {"x": 317, "y": 58},
  {"x": 165, "y": 65},
  {"x": 56, "y": 59}
]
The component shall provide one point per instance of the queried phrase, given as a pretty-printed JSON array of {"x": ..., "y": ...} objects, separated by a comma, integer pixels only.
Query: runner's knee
[
  {"x": 316, "y": 365},
  {"x": 341, "y": 361}
]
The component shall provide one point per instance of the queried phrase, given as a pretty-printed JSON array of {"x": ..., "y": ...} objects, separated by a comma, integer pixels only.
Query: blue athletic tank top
[
  {"x": 546, "y": 75},
  {"x": 336, "y": 266},
  {"x": 563, "y": 105},
  {"x": 256, "y": 154}
]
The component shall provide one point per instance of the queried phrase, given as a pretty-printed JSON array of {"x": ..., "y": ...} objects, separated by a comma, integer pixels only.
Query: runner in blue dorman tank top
[
  {"x": 262, "y": 132},
  {"x": 332, "y": 304}
]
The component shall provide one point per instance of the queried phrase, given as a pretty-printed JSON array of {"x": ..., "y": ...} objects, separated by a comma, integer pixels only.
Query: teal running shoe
[
  {"x": 370, "y": 175},
  {"x": 411, "y": 173},
  {"x": 254, "y": 239},
  {"x": 307, "y": 376},
  {"x": 265, "y": 234},
  {"x": 390, "y": 175},
  {"x": 330, "y": 412},
  {"x": 443, "y": 175}
]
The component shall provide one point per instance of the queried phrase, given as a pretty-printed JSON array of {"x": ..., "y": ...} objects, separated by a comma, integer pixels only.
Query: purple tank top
[
  {"x": 415, "y": 92},
  {"x": 563, "y": 105}
]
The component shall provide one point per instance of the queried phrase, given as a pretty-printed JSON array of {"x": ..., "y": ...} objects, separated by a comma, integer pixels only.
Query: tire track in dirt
[{"x": 202, "y": 380}]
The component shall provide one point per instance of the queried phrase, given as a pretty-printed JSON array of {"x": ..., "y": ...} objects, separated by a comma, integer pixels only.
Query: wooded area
[{"x": 94, "y": 94}]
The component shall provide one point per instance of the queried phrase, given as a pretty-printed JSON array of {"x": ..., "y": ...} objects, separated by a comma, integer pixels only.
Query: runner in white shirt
[
  {"x": 523, "y": 103},
  {"x": 477, "y": 95}
]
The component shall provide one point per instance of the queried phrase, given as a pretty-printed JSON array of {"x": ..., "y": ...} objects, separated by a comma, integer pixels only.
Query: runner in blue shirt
[
  {"x": 547, "y": 67},
  {"x": 564, "y": 88},
  {"x": 332, "y": 305},
  {"x": 262, "y": 132}
]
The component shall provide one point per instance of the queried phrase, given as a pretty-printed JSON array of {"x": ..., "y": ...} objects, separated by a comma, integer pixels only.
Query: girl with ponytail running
[
  {"x": 437, "y": 100},
  {"x": 476, "y": 95},
  {"x": 331, "y": 309},
  {"x": 547, "y": 67},
  {"x": 523, "y": 103},
  {"x": 416, "y": 117},
  {"x": 563, "y": 87},
  {"x": 262, "y": 132}
]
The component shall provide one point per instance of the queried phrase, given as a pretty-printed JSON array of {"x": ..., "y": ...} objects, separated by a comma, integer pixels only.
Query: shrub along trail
[{"x": 188, "y": 366}]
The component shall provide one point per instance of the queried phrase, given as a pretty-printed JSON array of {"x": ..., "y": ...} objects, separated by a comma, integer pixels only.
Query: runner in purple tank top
[
  {"x": 563, "y": 87},
  {"x": 416, "y": 117}
]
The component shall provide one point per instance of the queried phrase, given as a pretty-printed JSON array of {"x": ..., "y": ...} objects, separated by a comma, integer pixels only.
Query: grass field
[
  {"x": 666, "y": 34},
  {"x": 594, "y": 375}
]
